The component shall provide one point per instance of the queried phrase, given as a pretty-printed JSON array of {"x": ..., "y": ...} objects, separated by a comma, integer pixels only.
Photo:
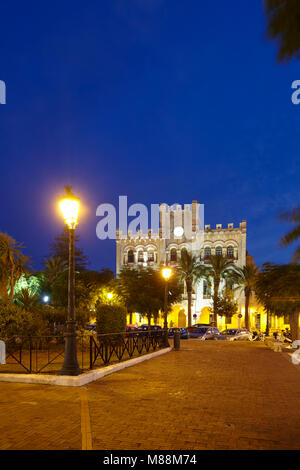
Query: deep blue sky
[{"x": 160, "y": 100}]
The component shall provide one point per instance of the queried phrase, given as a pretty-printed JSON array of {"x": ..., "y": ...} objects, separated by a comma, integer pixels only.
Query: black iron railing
[
  {"x": 105, "y": 349},
  {"x": 45, "y": 354}
]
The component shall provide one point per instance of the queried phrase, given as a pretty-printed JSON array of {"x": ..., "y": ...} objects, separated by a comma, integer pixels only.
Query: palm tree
[
  {"x": 283, "y": 26},
  {"x": 219, "y": 268},
  {"x": 26, "y": 298},
  {"x": 13, "y": 263},
  {"x": 246, "y": 278},
  {"x": 294, "y": 234},
  {"x": 54, "y": 266},
  {"x": 278, "y": 288},
  {"x": 189, "y": 271}
]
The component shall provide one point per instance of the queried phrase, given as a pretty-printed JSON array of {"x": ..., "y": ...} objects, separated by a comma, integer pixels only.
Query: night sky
[{"x": 159, "y": 100}]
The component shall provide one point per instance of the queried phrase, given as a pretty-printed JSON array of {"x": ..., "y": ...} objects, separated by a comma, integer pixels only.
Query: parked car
[
  {"x": 91, "y": 327},
  {"x": 131, "y": 328},
  {"x": 183, "y": 332},
  {"x": 203, "y": 332},
  {"x": 152, "y": 328},
  {"x": 236, "y": 334},
  {"x": 144, "y": 329}
]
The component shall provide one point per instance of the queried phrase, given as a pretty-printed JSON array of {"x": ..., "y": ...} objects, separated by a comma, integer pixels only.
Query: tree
[
  {"x": 143, "y": 290},
  {"x": 226, "y": 306},
  {"x": 27, "y": 299},
  {"x": 283, "y": 19},
  {"x": 60, "y": 249},
  {"x": 189, "y": 272},
  {"x": 219, "y": 268},
  {"x": 13, "y": 263},
  {"x": 246, "y": 279},
  {"x": 294, "y": 234},
  {"x": 278, "y": 288},
  {"x": 54, "y": 266}
]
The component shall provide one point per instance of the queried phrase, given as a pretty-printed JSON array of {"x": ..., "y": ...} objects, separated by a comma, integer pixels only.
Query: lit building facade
[{"x": 156, "y": 249}]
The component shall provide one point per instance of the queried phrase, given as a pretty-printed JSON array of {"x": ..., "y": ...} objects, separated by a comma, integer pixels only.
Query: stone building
[{"x": 181, "y": 228}]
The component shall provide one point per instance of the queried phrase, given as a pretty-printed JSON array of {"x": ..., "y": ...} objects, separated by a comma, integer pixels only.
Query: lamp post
[
  {"x": 166, "y": 273},
  {"x": 69, "y": 206}
]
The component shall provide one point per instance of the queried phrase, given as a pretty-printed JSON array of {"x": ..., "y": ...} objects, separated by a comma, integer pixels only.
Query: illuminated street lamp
[
  {"x": 69, "y": 206},
  {"x": 110, "y": 295},
  {"x": 166, "y": 273}
]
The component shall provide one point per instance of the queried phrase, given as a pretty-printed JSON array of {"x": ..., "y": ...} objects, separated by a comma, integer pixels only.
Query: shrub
[
  {"x": 111, "y": 318},
  {"x": 15, "y": 321}
]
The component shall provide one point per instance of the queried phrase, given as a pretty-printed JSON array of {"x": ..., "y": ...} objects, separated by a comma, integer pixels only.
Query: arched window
[
  {"x": 140, "y": 257},
  {"x": 184, "y": 250},
  {"x": 150, "y": 256},
  {"x": 219, "y": 250},
  {"x": 173, "y": 255},
  {"x": 130, "y": 256},
  {"x": 230, "y": 252},
  {"x": 207, "y": 253}
]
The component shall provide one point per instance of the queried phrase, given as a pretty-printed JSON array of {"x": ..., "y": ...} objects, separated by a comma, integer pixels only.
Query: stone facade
[{"x": 157, "y": 249}]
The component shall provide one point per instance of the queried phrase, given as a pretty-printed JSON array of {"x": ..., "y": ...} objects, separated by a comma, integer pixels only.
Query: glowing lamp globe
[
  {"x": 166, "y": 273},
  {"x": 69, "y": 206},
  {"x": 110, "y": 295}
]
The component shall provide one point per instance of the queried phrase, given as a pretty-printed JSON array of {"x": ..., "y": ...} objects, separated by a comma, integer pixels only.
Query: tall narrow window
[
  {"x": 207, "y": 253},
  {"x": 206, "y": 289},
  {"x": 230, "y": 252},
  {"x": 219, "y": 250},
  {"x": 140, "y": 256},
  {"x": 130, "y": 256},
  {"x": 173, "y": 256},
  {"x": 150, "y": 256}
]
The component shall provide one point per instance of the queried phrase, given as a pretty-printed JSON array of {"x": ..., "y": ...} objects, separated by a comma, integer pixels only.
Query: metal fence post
[{"x": 91, "y": 352}]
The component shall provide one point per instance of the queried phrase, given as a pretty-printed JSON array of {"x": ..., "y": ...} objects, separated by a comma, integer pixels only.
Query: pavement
[{"x": 208, "y": 395}]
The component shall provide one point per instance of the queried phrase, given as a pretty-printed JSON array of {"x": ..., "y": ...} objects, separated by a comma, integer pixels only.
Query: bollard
[
  {"x": 177, "y": 340},
  {"x": 2, "y": 353}
]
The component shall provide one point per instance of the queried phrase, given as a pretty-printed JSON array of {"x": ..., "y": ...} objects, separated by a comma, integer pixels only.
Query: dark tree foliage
[
  {"x": 60, "y": 249},
  {"x": 293, "y": 235},
  {"x": 283, "y": 26},
  {"x": 143, "y": 290},
  {"x": 278, "y": 288}
]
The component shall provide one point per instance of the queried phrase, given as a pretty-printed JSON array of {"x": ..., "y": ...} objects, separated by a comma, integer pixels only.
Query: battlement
[{"x": 242, "y": 227}]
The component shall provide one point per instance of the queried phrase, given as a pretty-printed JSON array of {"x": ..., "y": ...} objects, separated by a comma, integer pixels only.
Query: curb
[{"x": 83, "y": 379}]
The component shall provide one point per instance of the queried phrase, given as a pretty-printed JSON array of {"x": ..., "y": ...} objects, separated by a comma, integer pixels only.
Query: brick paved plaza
[{"x": 209, "y": 395}]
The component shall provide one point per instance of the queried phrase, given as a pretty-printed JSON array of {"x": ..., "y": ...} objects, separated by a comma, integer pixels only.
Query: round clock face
[{"x": 178, "y": 231}]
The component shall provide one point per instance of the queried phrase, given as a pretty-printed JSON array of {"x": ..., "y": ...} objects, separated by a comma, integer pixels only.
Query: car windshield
[{"x": 203, "y": 330}]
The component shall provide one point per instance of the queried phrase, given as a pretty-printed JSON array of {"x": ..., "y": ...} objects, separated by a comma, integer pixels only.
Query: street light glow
[
  {"x": 166, "y": 273},
  {"x": 46, "y": 298},
  {"x": 69, "y": 206},
  {"x": 109, "y": 295}
]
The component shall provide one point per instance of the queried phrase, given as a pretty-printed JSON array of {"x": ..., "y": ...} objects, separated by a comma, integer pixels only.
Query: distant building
[{"x": 155, "y": 250}]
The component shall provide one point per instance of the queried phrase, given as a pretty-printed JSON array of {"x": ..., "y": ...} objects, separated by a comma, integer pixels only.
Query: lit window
[
  {"x": 230, "y": 252},
  {"x": 219, "y": 251},
  {"x": 150, "y": 256},
  {"x": 207, "y": 253},
  {"x": 140, "y": 256}
]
